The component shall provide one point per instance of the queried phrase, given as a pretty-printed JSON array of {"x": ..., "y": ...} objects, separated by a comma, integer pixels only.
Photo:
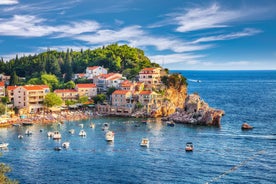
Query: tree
[
  {"x": 3, "y": 178},
  {"x": 83, "y": 99},
  {"x": 50, "y": 80},
  {"x": 69, "y": 85},
  {"x": 14, "y": 79},
  {"x": 35, "y": 81},
  {"x": 100, "y": 98},
  {"x": 52, "y": 99},
  {"x": 2, "y": 109}
]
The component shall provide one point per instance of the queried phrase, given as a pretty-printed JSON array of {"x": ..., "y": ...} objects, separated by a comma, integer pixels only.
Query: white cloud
[
  {"x": 32, "y": 26},
  {"x": 176, "y": 58},
  {"x": 230, "y": 36},
  {"x": 8, "y": 2}
]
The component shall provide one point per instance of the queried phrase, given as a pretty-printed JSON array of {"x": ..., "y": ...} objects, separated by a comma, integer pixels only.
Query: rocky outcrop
[
  {"x": 196, "y": 112},
  {"x": 172, "y": 99}
]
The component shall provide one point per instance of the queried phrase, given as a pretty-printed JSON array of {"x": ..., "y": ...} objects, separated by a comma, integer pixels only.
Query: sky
[{"x": 177, "y": 34}]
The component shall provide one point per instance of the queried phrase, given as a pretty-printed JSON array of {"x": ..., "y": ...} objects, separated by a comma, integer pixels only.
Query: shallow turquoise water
[{"x": 221, "y": 155}]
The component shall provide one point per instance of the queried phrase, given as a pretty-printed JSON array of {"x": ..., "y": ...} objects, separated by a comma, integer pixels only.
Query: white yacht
[
  {"x": 4, "y": 145},
  {"x": 82, "y": 133},
  {"x": 56, "y": 135},
  {"x": 28, "y": 132},
  {"x": 109, "y": 136},
  {"x": 20, "y": 136},
  {"x": 81, "y": 125},
  {"x": 71, "y": 131},
  {"x": 50, "y": 134},
  {"x": 66, "y": 144},
  {"x": 105, "y": 127},
  {"x": 92, "y": 125},
  {"x": 145, "y": 142}
]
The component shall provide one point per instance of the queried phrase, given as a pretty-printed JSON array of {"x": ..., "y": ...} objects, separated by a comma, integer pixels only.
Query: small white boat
[
  {"x": 81, "y": 125},
  {"x": 145, "y": 142},
  {"x": 66, "y": 144},
  {"x": 4, "y": 145},
  {"x": 92, "y": 125},
  {"x": 189, "y": 146},
  {"x": 20, "y": 136},
  {"x": 56, "y": 135},
  {"x": 28, "y": 132},
  {"x": 57, "y": 148},
  {"x": 50, "y": 134},
  {"x": 82, "y": 133},
  {"x": 105, "y": 127},
  {"x": 109, "y": 136},
  {"x": 71, "y": 131}
]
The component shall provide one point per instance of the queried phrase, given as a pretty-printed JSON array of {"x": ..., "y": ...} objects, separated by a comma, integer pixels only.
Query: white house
[{"x": 93, "y": 71}]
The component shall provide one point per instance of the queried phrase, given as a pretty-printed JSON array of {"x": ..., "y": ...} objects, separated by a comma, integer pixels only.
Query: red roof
[
  {"x": 126, "y": 83},
  {"x": 86, "y": 85},
  {"x": 145, "y": 92},
  {"x": 148, "y": 69},
  {"x": 65, "y": 91},
  {"x": 33, "y": 88},
  {"x": 11, "y": 87},
  {"x": 92, "y": 67},
  {"x": 2, "y": 84},
  {"x": 120, "y": 92}
]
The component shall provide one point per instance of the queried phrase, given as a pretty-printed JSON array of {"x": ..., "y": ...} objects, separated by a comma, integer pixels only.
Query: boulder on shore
[{"x": 197, "y": 112}]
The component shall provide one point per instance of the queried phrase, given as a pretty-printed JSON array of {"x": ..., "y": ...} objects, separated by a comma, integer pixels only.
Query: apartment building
[
  {"x": 150, "y": 76},
  {"x": 67, "y": 94},
  {"x": 89, "y": 90},
  {"x": 93, "y": 71},
  {"x": 2, "y": 89}
]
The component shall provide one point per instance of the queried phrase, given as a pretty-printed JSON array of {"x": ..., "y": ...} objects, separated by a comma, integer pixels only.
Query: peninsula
[{"x": 113, "y": 80}]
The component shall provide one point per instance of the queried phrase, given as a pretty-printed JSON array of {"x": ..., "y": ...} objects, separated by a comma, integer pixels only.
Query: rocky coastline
[{"x": 196, "y": 112}]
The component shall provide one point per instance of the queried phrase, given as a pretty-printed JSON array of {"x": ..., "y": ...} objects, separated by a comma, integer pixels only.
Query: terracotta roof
[
  {"x": 115, "y": 77},
  {"x": 2, "y": 84},
  {"x": 86, "y": 85},
  {"x": 126, "y": 83},
  {"x": 105, "y": 76},
  {"x": 120, "y": 92},
  {"x": 33, "y": 88},
  {"x": 92, "y": 67},
  {"x": 11, "y": 87},
  {"x": 148, "y": 69},
  {"x": 145, "y": 92},
  {"x": 43, "y": 86},
  {"x": 65, "y": 91}
]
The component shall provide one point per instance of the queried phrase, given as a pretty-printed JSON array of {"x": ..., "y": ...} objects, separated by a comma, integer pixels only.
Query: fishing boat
[
  {"x": 105, "y": 127},
  {"x": 109, "y": 136},
  {"x": 82, "y": 133},
  {"x": 28, "y": 132},
  {"x": 71, "y": 131},
  {"x": 56, "y": 135},
  {"x": 57, "y": 148},
  {"x": 145, "y": 142},
  {"x": 92, "y": 125},
  {"x": 81, "y": 125},
  {"x": 26, "y": 123},
  {"x": 4, "y": 145},
  {"x": 20, "y": 136},
  {"x": 50, "y": 134},
  {"x": 66, "y": 144},
  {"x": 189, "y": 146},
  {"x": 170, "y": 123}
]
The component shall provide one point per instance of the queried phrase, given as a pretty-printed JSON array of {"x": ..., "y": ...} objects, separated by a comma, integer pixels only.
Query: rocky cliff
[
  {"x": 196, "y": 111},
  {"x": 173, "y": 98}
]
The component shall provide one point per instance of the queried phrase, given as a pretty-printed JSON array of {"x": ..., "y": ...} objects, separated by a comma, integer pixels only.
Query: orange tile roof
[
  {"x": 126, "y": 83},
  {"x": 65, "y": 91},
  {"x": 92, "y": 67},
  {"x": 120, "y": 92},
  {"x": 86, "y": 85},
  {"x": 145, "y": 92},
  {"x": 43, "y": 86},
  {"x": 33, "y": 88},
  {"x": 11, "y": 87},
  {"x": 2, "y": 84},
  {"x": 148, "y": 69}
]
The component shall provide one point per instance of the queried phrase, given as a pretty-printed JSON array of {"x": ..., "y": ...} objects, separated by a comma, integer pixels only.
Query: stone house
[
  {"x": 89, "y": 90},
  {"x": 67, "y": 94},
  {"x": 150, "y": 76},
  {"x": 2, "y": 89},
  {"x": 93, "y": 71}
]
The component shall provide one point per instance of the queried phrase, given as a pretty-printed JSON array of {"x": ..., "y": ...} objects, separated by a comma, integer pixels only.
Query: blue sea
[{"x": 221, "y": 155}]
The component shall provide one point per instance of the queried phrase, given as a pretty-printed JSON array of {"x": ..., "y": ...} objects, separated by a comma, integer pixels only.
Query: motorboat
[
  {"x": 145, "y": 142},
  {"x": 170, "y": 123},
  {"x": 109, "y": 136},
  {"x": 27, "y": 123},
  {"x": 189, "y": 146},
  {"x": 144, "y": 122},
  {"x": 82, "y": 133},
  {"x": 246, "y": 126},
  {"x": 66, "y": 144},
  {"x": 92, "y": 125},
  {"x": 28, "y": 132},
  {"x": 20, "y": 136},
  {"x": 50, "y": 134},
  {"x": 81, "y": 125},
  {"x": 56, "y": 135},
  {"x": 71, "y": 131},
  {"x": 4, "y": 145},
  {"x": 57, "y": 148},
  {"x": 105, "y": 127}
]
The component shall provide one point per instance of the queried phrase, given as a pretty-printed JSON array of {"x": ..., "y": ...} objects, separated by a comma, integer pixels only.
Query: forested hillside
[{"x": 116, "y": 58}]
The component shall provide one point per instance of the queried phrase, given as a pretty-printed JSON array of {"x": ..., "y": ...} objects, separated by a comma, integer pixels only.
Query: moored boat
[
  {"x": 26, "y": 123},
  {"x": 50, "y": 134},
  {"x": 109, "y": 136},
  {"x": 145, "y": 142},
  {"x": 105, "y": 127},
  {"x": 28, "y": 132},
  {"x": 66, "y": 144},
  {"x": 56, "y": 135},
  {"x": 170, "y": 123},
  {"x": 20, "y": 136},
  {"x": 82, "y": 133},
  {"x": 71, "y": 131},
  {"x": 92, "y": 125},
  {"x": 4, "y": 145},
  {"x": 189, "y": 146}
]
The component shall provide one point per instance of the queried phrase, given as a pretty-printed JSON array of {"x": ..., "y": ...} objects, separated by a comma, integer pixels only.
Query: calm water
[{"x": 221, "y": 155}]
